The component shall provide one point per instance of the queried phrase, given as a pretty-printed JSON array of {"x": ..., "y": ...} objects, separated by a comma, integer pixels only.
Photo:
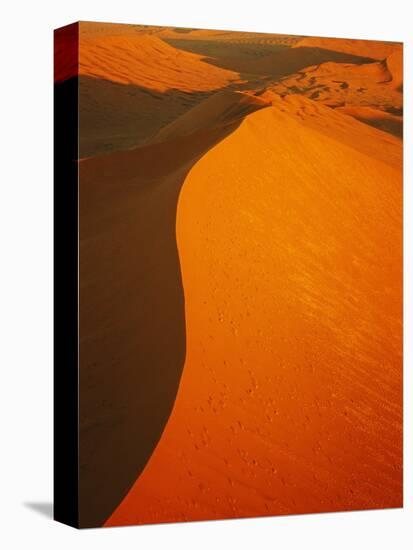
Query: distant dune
[
  {"x": 287, "y": 61},
  {"x": 134, "y": 84},
  {"x": 148, "y": 62},
  {"x": 291, "y": 271},
  {"x": 394, "y": 63},
  {"x": 364, "y": 86},
  {"x": 363, "y": 48},
  {"x": 388, "y": 122},
  {"x": 131, "y": 85}
]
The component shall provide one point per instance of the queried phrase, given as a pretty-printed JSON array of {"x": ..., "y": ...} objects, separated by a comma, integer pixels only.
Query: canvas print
[{"x": 228, "y": 248}]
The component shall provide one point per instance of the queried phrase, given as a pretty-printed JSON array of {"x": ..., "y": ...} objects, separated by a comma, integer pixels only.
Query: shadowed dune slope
[
  {"x": 115, "y": 116},
  {"x": 132, "y": 319},
  {"x": 291, "y": 60},
  {"x": 394, "y": 64},
  {"x": 221, "y": 109},
  {"x": 290, "y": 246},
  {"x": 387, "y": 122},
  {"x": 131, "y": 85}
]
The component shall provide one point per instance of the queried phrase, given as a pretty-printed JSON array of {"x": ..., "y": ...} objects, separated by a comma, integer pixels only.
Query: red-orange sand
[
  {"x": 289, "y": 234},
  {"x": 290, "y": 244}
]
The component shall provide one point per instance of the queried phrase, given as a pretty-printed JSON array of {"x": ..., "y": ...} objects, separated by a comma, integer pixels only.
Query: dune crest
[
  {"x": 275, "y": 393},
  {"x": 218, "y": 110},
  {"x": 363, "y": 48}
]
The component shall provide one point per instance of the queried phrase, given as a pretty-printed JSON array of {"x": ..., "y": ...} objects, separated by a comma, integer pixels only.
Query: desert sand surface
[
  {"x": 290, "y": 398},
  {"x": 241, "y": 274},
  {"x": 132, "y": 84},
  {"x": 364, "y": 48}
]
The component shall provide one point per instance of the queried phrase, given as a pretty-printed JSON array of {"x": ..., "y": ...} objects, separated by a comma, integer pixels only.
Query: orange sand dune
[
  {"x": 131, "y": 309},
  {"x": 105, "y": 29},
  {"x": 290, "y": 60},
  {"x": 219, "y": 110},
  {"x": 344, "y": 129},
  {"x": 132, "y": 85},
  {"x": 392, "y": 124},
  {"x": 369, "y": 85},
  {"x": 394, "y": 64},
  {"x": 147, "y": 61},
  {"x": 364, "y": 48},
  {"x": 236, "y": 37},
  {"x": 290, "y": 246}
]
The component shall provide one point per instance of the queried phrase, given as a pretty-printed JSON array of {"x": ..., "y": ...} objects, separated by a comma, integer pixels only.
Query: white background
[{"x": 26, "y": 273}]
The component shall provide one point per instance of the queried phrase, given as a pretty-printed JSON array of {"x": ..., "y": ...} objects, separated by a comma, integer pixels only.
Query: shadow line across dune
[
  {"x": 132, "y": 311},
  {"x": 275, "y": 62},
  {"x": 114, "y": 116}
]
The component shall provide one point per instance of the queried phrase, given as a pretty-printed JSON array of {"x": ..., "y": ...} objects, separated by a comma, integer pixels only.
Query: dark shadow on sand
[
  {"x": 115, "y": 116},
  {"x": 132, "y": 312},
  {"x": 272, "y": 60}
]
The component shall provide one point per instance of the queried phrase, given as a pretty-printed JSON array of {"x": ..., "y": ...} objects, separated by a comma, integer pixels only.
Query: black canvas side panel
[{"x": 66, "y": 275}]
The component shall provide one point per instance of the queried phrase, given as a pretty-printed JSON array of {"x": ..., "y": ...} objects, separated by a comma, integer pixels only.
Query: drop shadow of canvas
[
  {"x": 44, "y": 509},
  {"x": 132, "y": 311}
]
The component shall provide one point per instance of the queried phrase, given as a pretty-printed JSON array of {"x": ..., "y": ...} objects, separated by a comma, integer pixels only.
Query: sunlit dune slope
[
  {"x": 147, "y": 61},
  {"x": 102, "y": 29},
  {"x": 343, "y": 129},
  {"x": 336, "y": 125},
  {"x": 363, "y": 48},
  {"x": 375, "y": 85},
  {"x": 290, "y": 247}
]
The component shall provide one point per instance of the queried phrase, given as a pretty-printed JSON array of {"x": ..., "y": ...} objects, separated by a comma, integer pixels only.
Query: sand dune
[
  {"x": 363, "y": 48},
  {"x": 132, "y": 85},
  {"x": 334, "y": 124},
  {"x": 290, "y": 399},
  {"x": 370, "y": 85},
  {"x": 117, "y": 116},
  {"x": 219, "y": 110},
  {"x": 112, "y": 29},
  {"x": 131, "y": 357},
  {"x": 394, "y": 63},
  {"x": 240, "y": 266},
  {"x": 288, "y": 61},
  {"x": 147, "y": 61},
  {"x": 387, "y": 122}
]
